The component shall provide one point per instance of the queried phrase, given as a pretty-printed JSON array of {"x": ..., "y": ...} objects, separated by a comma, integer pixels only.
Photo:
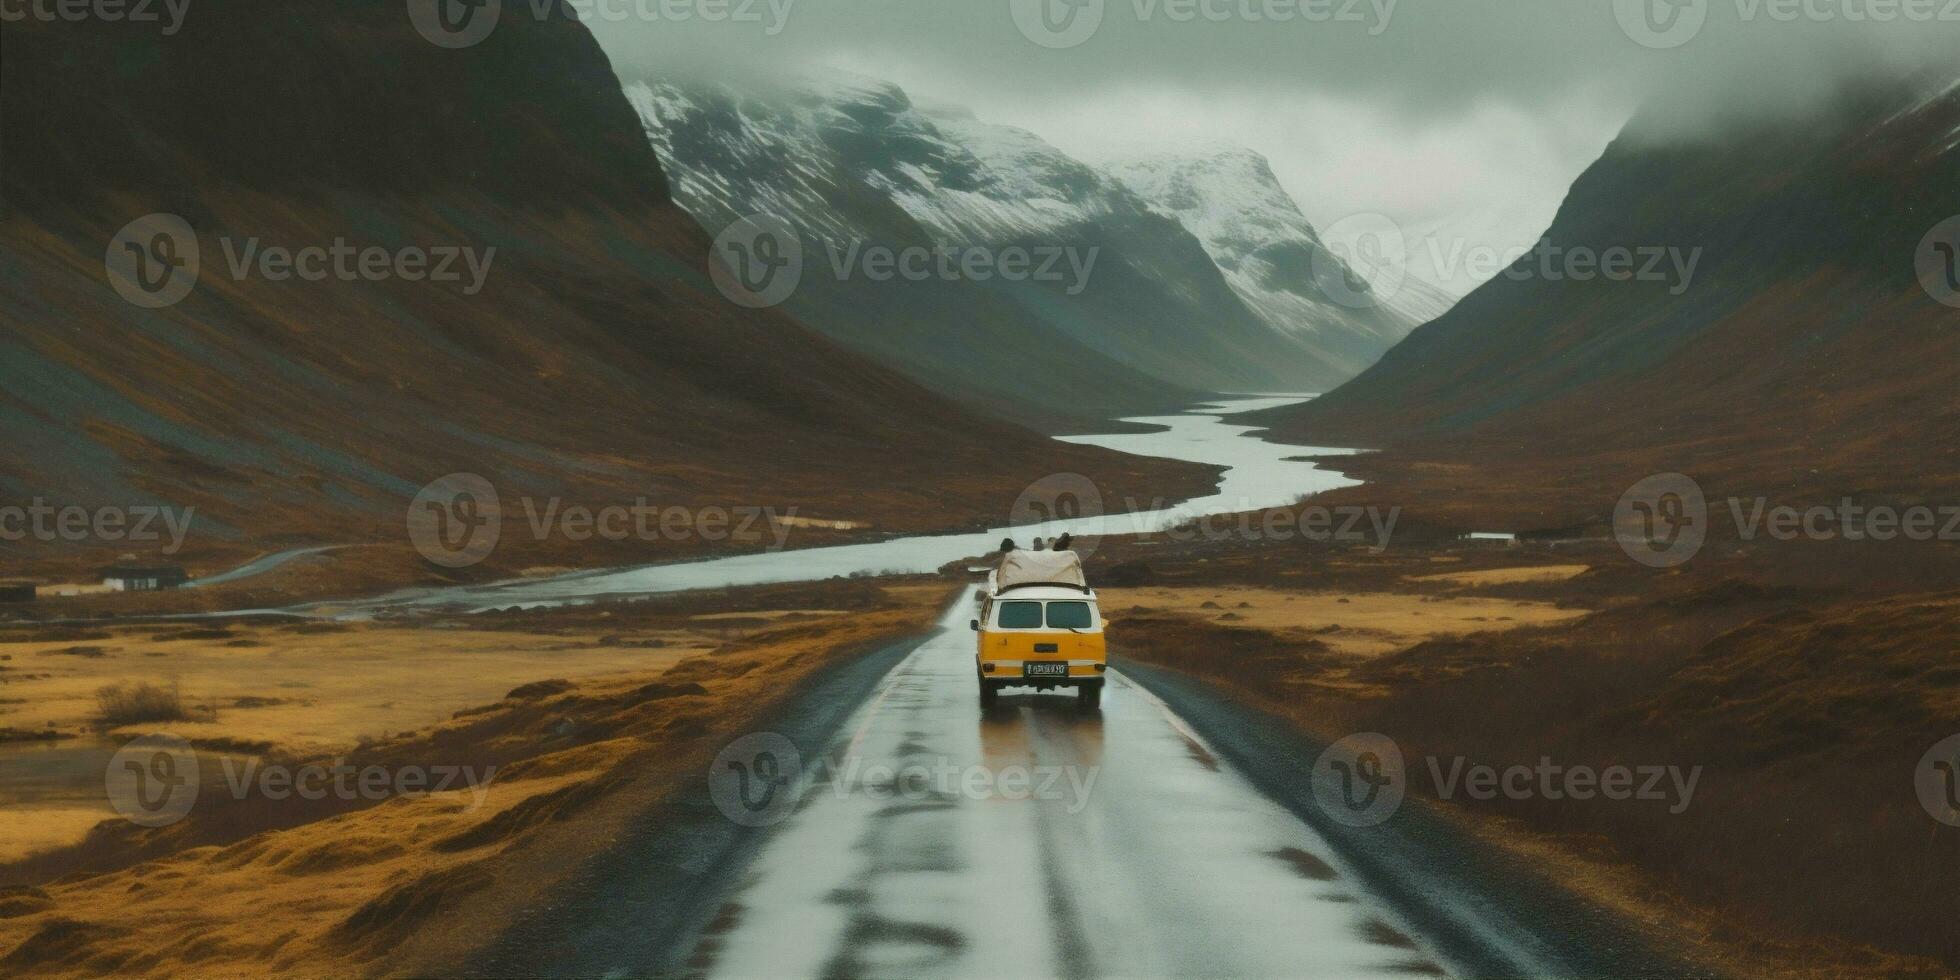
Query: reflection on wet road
[{"x": 1040, "y": 840}]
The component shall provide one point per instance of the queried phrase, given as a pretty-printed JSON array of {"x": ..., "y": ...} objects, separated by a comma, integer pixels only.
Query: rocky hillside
[
  {"x": 589, "y": 358},
  {"x": 1803, "y": 354},
  {"x": 854, "y": 161},
  {"x": 1271, "y": 254}
]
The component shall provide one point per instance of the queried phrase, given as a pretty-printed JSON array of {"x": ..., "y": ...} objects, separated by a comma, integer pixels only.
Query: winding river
[{"x": 1258, "y": 474}]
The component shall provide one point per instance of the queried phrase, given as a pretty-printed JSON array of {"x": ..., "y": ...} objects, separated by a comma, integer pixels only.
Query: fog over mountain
[
  {"x": 1492, "y": 109},
  {"x": 1447, "y": 56},
  {"x": 1206, "y": 277}
]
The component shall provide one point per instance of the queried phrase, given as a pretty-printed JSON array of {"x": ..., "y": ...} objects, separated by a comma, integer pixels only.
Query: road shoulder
[{"x": 1486, "y": 911}]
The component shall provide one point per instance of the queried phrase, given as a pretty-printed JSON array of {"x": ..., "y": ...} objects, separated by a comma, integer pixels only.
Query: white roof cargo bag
[{"x": 1019, "y": 568}]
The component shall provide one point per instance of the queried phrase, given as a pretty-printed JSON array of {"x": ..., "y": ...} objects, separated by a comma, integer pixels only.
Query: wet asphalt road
[
  {"x": 1174, "y": 833},
  {"x": 1037, "y": 839}
]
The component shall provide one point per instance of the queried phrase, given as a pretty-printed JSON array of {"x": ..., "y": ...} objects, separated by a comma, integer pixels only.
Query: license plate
[{"x": 1046, "y": 670}]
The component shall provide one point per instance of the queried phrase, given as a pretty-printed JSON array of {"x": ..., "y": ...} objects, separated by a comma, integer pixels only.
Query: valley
[
  {"x": 1173, "y": 307},
  {"x": 537, "y": 489},
  {"x": 290, "y": 413}
]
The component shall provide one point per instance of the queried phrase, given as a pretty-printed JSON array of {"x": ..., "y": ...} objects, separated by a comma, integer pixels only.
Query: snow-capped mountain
[
  {"x": 1272, "y": 255},
  {"x": 850, "y": 160}
]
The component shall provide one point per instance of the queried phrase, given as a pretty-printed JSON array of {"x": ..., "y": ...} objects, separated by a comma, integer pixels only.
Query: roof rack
[{"x": 1085, "y": 590}]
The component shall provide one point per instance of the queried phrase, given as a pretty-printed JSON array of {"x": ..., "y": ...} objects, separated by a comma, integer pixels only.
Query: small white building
[{"x": 143, "y": 578}]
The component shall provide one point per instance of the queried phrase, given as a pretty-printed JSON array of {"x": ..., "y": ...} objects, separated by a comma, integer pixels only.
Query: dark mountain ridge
[
  {"x": 596, "y": 363},
  {"x": 1804, "y": 355}
]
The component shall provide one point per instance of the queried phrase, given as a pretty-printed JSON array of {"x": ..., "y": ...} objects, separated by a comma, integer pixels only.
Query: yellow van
[{"x": 1043, "y": 637}]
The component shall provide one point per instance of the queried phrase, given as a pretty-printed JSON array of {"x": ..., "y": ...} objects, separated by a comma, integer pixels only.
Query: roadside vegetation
[
  {"x": 1807, "y": 680},
  {"x": 609, "y": 710}
]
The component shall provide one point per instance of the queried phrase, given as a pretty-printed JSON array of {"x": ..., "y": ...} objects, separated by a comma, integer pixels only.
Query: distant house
[
  {"x": 12, "y": 590},
  {"x": 143, "y": 578}
]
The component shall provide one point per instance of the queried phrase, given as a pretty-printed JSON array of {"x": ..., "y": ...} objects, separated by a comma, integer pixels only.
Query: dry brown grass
[
  {"x": 138, "y": 704},
  {"x": 1508, "y": 576},
  {"x": 1807, "y": 688},
  {"x": 255, "y": 887},
  {"x": 1359, "y": 624}
]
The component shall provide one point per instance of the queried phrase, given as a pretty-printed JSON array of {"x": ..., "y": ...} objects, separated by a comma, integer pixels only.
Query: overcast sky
[{"x": 1460, "y": 119}]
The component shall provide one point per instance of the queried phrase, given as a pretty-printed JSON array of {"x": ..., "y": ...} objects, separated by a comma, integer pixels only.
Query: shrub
[{"x": 136, "y": 704}]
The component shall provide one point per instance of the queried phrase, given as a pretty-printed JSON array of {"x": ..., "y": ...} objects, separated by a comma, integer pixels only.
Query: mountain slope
[
  {"x": 804, "y": 157},
  {"x": 1803, "y": 356},
  {"x": 596, "y": 364},
  {"x": 1229, "y": 198},
  {"x": 861, "y": 163}
]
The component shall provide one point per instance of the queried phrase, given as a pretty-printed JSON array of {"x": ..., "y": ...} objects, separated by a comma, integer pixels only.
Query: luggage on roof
[{"x": 1023, "y": 568}]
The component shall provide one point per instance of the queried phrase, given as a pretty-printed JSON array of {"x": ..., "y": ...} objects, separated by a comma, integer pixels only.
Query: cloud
[
  {"x": 1421, "y": 58},
  {"x": 1463, "y": 118}
]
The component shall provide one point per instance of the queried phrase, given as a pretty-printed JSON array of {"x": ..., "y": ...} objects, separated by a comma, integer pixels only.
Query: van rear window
[
  {"x": 1069, "y": 616},
  {"x": 1020, "y": 615}
]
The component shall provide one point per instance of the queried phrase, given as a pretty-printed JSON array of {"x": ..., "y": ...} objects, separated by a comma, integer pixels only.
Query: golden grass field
[
  {"x": 1359, "y": 624},
  {"x": 584, "y": 729},
  {"x": 294, "y": 692}
]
